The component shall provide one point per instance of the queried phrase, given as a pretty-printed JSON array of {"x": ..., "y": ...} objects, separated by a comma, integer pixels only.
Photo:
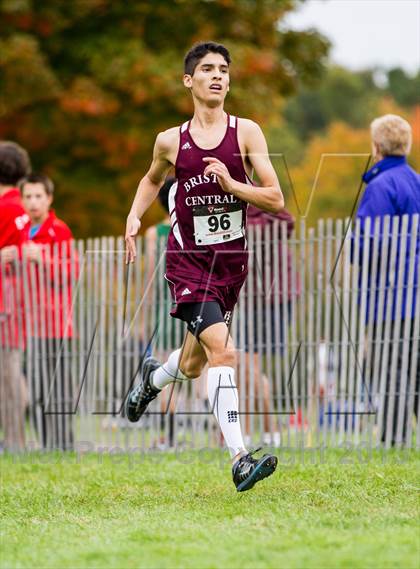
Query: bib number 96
[{"x": 215, "y": 223}]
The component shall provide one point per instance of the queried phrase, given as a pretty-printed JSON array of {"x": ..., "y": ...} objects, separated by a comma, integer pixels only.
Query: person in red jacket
[
  {"x": 49, "y": 318},
  {"x": 14, "y": 163}
]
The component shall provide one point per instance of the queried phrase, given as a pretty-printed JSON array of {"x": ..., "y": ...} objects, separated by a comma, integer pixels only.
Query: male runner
[{"x": 206, "y": 262}]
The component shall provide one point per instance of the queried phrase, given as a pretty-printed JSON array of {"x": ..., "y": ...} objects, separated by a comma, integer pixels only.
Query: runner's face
[
  {"x": 210, "y": 81},
  {"x": 36, "y": 201}
]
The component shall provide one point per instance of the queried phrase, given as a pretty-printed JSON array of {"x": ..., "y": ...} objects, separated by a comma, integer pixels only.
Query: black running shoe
[
  {"x": 247, "y": 471},
  {"x": 142, "y": 394}
]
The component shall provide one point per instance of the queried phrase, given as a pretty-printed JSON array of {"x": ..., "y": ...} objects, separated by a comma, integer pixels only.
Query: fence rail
[{"x": 327, "y": 328}]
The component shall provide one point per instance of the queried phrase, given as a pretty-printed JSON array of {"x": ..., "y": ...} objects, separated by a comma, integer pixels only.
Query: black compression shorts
[{"x": 200, "y": 315}]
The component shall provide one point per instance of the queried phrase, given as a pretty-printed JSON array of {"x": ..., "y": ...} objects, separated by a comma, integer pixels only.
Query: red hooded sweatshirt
[
  {"x": 12, "y": 220},
  {"x": 52, "y": 299}
]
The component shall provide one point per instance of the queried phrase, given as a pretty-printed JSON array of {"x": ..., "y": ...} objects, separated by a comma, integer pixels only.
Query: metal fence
[{"x": 326, "y": 327}]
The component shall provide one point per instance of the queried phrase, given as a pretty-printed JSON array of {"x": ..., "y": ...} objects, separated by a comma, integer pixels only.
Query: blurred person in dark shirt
[{"x": 262, "y": 384}]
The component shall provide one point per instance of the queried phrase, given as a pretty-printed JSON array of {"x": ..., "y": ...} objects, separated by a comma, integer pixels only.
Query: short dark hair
[
  {"x": 14, "y": 163},
  {"x": 164, "y": 193},
  {"x": 38, "y": 179},
  {"x": 199, "y": 50}
]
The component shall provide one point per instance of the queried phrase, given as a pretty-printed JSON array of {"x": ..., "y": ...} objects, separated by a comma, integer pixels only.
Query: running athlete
[{"x": 206, "y": 261}]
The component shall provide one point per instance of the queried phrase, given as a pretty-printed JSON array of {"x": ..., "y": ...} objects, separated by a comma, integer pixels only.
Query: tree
[
  {"x": 403, "y": 88},
  {"x": 327, "y": 180},
  {"x": 343, "y": 95},
  {"x": 86, "y": 86}
]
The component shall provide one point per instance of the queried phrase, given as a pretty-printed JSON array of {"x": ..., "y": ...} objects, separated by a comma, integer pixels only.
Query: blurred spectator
[
  {"x": 393, "y": 189},
  {"x": 257, "y": 217},
  {"x": 14, "y": 164},
  {"x": 156, "y": 238},
  {"x": 156, "y": 233},
  {"x": 49, "y": 319}
]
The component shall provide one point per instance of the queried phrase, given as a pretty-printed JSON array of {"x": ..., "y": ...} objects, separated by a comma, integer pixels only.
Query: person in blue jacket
[{"x": 393, "y": 189}]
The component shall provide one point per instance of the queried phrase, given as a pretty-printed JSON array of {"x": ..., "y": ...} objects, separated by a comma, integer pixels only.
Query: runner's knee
[
  {"x": 225, "y": 356},
  {"x": 192, "y": 367},
  {"x": 191, "y": 372}
]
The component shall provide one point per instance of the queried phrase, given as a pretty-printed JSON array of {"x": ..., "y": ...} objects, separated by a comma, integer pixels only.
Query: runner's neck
[{"x": 205, "y": 118}]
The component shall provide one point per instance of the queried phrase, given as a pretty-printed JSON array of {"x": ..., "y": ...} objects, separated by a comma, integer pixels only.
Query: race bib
[{"x": 217, "y": 224}]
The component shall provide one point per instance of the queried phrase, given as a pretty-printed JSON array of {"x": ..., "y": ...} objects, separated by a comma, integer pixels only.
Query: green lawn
[{"x": 183, "y": 511}]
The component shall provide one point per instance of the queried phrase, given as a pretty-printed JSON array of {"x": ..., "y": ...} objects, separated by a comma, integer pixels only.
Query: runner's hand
[
  {"x": 131, "y": 230},
  {"x": 214, "y": 166}
]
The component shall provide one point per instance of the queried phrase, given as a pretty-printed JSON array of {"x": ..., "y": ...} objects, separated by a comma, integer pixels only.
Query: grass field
[{"x": 183, "y": 511}]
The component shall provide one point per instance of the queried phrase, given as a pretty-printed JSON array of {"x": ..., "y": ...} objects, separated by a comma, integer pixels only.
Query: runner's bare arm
[
  {"x": 268, "y": 195},
  {"x": 148, "y": 188}
]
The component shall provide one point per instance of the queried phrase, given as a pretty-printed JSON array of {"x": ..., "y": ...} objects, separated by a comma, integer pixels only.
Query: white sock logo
[{"x": 232, "y": 416}]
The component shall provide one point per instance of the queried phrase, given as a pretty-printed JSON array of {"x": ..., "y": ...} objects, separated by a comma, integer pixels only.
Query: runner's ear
[{"x": 187, "y": 81}]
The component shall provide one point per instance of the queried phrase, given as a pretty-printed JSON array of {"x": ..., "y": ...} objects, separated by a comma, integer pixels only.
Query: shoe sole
[
  {"x": 263, "y": 470},
  {"x": 148, "y": 362}
]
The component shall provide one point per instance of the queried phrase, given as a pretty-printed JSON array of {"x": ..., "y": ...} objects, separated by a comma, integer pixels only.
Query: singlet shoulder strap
[
  {"x": 232, "y": 121},
  {"x": 184, "y": 127}
]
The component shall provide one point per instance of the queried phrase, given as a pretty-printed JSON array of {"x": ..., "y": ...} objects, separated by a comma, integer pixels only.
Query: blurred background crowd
[{"x": 85, "y": 86}]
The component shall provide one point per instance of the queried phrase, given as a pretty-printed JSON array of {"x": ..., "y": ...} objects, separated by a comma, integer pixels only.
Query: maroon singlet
[{"x": 206, "y": 245}]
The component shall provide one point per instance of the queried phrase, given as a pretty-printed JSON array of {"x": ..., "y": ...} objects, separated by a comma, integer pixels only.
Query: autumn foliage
[
  {"x": 87, "y": 85},
  {"x": 327, "y": 182}
]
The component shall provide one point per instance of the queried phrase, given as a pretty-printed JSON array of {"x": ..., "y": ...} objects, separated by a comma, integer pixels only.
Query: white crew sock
[
  {"x": 168, "y": 372},
  {"x": 223, "y": 397}
]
